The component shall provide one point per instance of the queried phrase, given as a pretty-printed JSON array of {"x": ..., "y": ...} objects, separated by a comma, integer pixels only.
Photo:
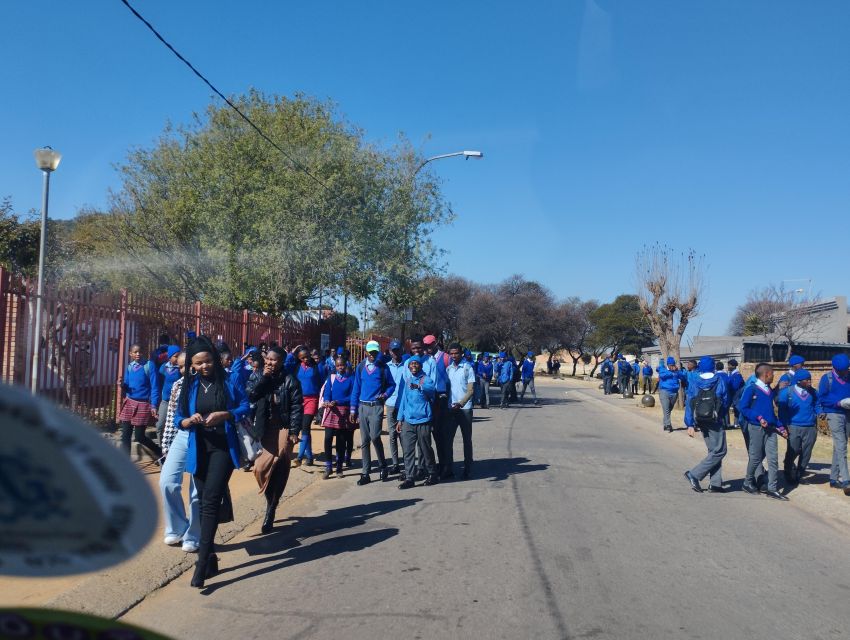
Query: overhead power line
[{"x": 295, "y": 163}]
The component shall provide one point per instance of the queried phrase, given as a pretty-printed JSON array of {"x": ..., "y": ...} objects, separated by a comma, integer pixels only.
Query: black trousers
[
  {"x": 347, "y": 436},
  {"x": 340, "y": 446},
  {"x": 214, "y": 470},
  {"x": 438, "y": 426},
  {"x": 458, "y": 418},
  {"x": 140, "y": 435}
]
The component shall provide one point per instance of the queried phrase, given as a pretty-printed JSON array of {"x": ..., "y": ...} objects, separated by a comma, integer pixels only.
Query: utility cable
[{"x": 295, "y": 163}]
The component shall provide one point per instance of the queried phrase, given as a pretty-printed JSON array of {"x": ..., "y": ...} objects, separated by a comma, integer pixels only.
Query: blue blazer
[{"x": 237, "y": 404}]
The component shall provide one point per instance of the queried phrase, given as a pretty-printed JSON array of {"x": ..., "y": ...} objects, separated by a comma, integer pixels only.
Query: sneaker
[
  {"x": 363, "y": 480},
  {"x": 190, "y": 547},
  {"x": 172, "y": 540},
  {"x": 385, "y": 474}
]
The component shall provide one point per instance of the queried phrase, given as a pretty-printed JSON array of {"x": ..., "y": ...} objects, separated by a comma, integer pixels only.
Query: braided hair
[{"x": 202, "y": 344}]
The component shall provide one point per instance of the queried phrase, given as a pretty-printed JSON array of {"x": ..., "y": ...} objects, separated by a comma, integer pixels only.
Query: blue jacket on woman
[
  {"x": 237, "y": 404},
  {"x": 668, "y": 381}
]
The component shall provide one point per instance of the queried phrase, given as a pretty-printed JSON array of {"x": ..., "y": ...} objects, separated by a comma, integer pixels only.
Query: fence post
[
  {"x": 5, "y": 325},
  {"x": 198, "y": 318},
  {"x": 122, "y": 351},
  {"x": 244, "y": 330}
]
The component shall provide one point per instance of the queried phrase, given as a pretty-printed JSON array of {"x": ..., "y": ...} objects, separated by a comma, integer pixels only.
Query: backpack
[{"x": 705, "y": 406}]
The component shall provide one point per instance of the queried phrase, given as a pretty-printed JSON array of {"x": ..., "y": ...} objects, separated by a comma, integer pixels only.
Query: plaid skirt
[
  {"x": 337, "y": 417},
  {"x": 136, "y": 412}
]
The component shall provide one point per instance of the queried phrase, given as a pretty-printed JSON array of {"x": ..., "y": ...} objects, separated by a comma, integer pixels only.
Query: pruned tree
[{"x": 670, "y": 289}]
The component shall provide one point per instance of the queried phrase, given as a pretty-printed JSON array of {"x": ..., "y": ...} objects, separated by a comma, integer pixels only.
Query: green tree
[
  {"x": 620, "y": 326},
  {"x": 19, "y": 237},
  {"x": 213, "y": 212}
]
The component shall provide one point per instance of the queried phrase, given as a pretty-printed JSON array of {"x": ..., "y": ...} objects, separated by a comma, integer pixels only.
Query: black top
[{"x": 205, "y": 402}]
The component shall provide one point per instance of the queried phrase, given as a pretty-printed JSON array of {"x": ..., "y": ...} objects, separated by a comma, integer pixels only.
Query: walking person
[
  {"x": 169, "y": 373},
  {"x": 210, "y": 404},
  {"x": 175, "y": 445},
  {"x": 834, "y": 403},
  {"x": 634, "y": 376},
  {"x": 646, "y": 370},
  {"x": 415, "y": 413},
  {"x": 607, "y": 371},
  {"x": 736, "y": 386},
  {"x": 396, "y": 367},
  {"x": 669, "y": 380},
  {"x": 373, "y": 384},
  {"x": 337, "y": 420},
  {"x": 527, "y": 376},
  {"x": 139, "y": 386},
  {"x": 461, "y": 379},
  {"x": 704, "y": 403},
  {"x": 311, "y": 375},
  {"x": 506, "y": 379},
  {"x": 763, "y": 427},
  {"x": 278, "y": 417},
  {"x": 484, "y": 372},
  {"x": 798, "y": 412},
  {"x": 516, "y": 379}
]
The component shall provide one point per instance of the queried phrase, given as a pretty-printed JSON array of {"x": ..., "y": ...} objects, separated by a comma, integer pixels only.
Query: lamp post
[
  {"x": 47, "y": 160},
  {"x": 478, "y": 155}
]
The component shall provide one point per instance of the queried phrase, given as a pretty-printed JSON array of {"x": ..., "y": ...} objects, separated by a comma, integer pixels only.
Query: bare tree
[
  {"x": 784, "y": 315},
  {"x": 670, "y": 287},
  {"x": 572, "y": 325}
]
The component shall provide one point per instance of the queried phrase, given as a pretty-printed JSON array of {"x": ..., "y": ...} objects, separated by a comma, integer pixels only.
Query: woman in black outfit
[
  {"x": 210, "y": 404},
  {"x": 277, "y": 420}
]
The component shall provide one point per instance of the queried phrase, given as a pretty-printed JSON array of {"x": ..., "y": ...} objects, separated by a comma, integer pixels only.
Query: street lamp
[
  {"x": 478, "y": 155},
  {"x": 47, "y": 160}
]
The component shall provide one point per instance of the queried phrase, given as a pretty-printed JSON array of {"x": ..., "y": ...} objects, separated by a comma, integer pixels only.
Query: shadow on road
[
  {"x": 496, "y": 469},
  {"x": 290, "y": 542}
]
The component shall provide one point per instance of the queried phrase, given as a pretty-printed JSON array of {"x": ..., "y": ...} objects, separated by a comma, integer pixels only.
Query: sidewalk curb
[{"x": 114, "y": 592}]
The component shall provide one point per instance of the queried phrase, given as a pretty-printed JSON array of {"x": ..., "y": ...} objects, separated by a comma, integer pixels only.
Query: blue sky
[{"x": 719, "y": 125}]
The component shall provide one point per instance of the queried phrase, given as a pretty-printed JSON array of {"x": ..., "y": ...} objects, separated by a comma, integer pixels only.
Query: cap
[
  {"x": 706, "y": 364},
  {"x": 795, "y": 360},
  {"x": 414, "y": 359},
  {"x": 429, "y": 339},
  {"x": 395, "y": 344},
  {"x": 530, "y": 354},
  {"x": 173, "y": 350},
  {"x": 802, "y": 374},
  {"x": 340, "y": 351},
  {"x": 671, "y": 360},
  {"x": 372, "y": 346},
  {"x": 502, "y": 354}
]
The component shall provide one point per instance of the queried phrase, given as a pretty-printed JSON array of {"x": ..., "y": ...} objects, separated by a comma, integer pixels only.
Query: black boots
[
  {"x": 271, "y": 505},
  {"x": 204, "y": 570}
]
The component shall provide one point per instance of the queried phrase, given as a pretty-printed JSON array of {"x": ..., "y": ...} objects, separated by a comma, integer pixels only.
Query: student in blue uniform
[
  {"x": 764, "y": 428},
  {"x": 506, "y": 378},
  {"x": 795, "y": 363},
  {"x": 373, "y": 384},
  {"x": 798, "y": 412},
  {"x": 669, "y": 381},
  {"x": 139, "y": 386},
  {"x": 396, "y": 367},
  {"x": 704, "y": 402},
  {"x": 485, "y": 375},
  {"x": 834, "y": 403},
  {"x": 635, "y": 376},
  {"x": 736, "y": 385},
  {"x": 169, "y": 373},
  {"x": 527, "y": 376},
  {"x": 415, "y": 413},
  {"x": 607, "y": 372},
  {"x": 646, "y": 370}
]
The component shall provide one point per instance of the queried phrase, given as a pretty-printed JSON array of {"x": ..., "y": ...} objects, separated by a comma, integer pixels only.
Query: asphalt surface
[{"x": 577, "y": 523}]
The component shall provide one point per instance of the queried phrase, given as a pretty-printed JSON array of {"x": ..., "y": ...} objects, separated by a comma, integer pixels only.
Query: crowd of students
[
  {"x": 764, "y": 411},
  {"x": 215, "y": 414}
]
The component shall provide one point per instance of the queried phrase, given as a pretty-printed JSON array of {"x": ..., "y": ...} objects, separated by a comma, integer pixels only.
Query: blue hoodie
[
  {"x": 506, "y": 372},
  {"x": 668, "y": 381},
  {"x": 797, "y": 406},
  {"x": 140, "y": 382},
  {"x": 647, "y": 371},
  {"x": 697, "y": 383},
  {"x": 170, "y": 374},
  {"x": 831, "y": 390},
  {"x": 414, "y": 405},
  {"x": 527, "y": 369},
  {"x": 485, "y": 370},
  {"x": 607, "y": 368}
]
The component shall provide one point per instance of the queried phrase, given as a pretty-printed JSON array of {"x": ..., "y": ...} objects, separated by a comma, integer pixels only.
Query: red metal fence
[{"x": 83, "y": 347}]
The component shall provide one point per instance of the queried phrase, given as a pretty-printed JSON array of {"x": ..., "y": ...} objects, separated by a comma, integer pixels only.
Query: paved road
[{"x": 578, "y": 523}]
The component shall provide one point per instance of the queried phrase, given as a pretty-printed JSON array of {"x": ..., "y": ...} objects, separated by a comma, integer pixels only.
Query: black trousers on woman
[
  {"x": 139, "y": 434},
  {"x": 340, "y": 446},
  {"x": 214, "y": 470}
]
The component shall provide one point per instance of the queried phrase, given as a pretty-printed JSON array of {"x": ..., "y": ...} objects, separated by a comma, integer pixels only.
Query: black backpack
[{"x": 705, "y": 406}]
